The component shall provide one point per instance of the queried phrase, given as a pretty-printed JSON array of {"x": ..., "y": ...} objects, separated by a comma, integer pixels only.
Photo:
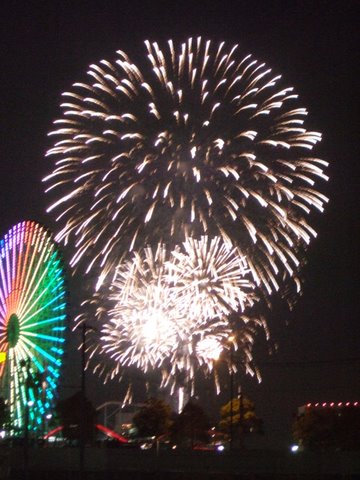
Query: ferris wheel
[{"x": 33, "y": 305}]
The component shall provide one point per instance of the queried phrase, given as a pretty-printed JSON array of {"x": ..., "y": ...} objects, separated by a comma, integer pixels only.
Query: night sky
[{"x": 47, "y": 45}]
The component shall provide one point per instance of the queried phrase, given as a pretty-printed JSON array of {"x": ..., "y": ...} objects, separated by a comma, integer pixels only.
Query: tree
[
  {"x": 238, "y": 417},
  {"x": 191, "y": 426},
  {"x": 78, "y": 417},
  {"x": 153, "y": 419},
  {"x": 4, "y": 414},
  {"x": 328, "y": 428}
]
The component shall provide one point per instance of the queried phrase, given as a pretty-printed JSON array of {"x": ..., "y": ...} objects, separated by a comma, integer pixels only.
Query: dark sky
[{"x": 47, "y": 45}]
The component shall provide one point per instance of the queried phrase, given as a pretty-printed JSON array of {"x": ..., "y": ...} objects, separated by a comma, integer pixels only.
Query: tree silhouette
[
  {"x": 191, "y": 426},
  {"x": 4, "y": 414},
  {"x": 78, "y": 417},
  {"x": 328, "y": 429},
  {"x": 153, "y": 419},
  {"x": 240, "y": 412}
]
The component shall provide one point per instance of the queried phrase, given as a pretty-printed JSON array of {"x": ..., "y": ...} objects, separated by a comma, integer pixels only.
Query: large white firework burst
[
  {"x": 171, "y": 309},
  {"x": 194, "y": 139}
]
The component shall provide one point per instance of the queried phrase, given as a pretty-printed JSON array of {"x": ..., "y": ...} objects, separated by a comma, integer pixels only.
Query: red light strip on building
[{"x": 332, "y": 404}]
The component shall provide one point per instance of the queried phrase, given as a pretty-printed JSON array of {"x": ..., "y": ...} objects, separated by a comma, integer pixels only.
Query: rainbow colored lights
[{"x": 32, "y": 324}]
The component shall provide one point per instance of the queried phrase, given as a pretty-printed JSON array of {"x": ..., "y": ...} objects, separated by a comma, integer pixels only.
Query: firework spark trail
[{"x": 196, "y": 139}]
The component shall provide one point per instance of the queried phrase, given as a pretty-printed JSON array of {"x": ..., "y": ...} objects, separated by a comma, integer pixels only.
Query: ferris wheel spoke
[
  {"x": 43, "y": 307},
  {"x": 45, "y": 337},
  {"x": 22, "y": 267},
  {"x": 19, "y": 260},
  {"x": 8, "y": 270},
  {"x": 28, "y": 355},
  {"x": 3, "y": 291},
  {"x": 41, "y": 351},
  {"x": 42, "y": 323},
  {"x": 4, "y": 286},
  {"x": 36, "y": 284},
  {"x": 36, "y": 261},
  {"x": 49, "y": 286}
]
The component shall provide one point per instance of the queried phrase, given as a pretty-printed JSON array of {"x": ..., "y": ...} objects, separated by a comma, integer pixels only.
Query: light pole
[
  {"x": 84, "y": 328},
  {"x": 26, "y": 365},
  {"x": 231, "y": 340},
  {"x": 241, "y": 415},
  {"x": 83, "y": 391}
]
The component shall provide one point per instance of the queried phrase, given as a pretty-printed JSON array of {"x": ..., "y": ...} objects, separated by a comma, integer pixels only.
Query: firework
[
  {"x": 171, "y": 309},
  {"x": 146, "y": 321},
  {"x": 214, "y": 276},
  {"x": 194, "y": 139}
]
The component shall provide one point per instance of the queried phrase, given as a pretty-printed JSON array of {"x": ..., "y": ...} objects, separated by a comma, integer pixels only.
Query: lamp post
[
  {"x": 27, "y": 380},
  {"x": 47, "y": 419},
  {"x": 84, "y": 328},
  {"x": 83, "y": 391},
  {"x": 231, "y": 339}
]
